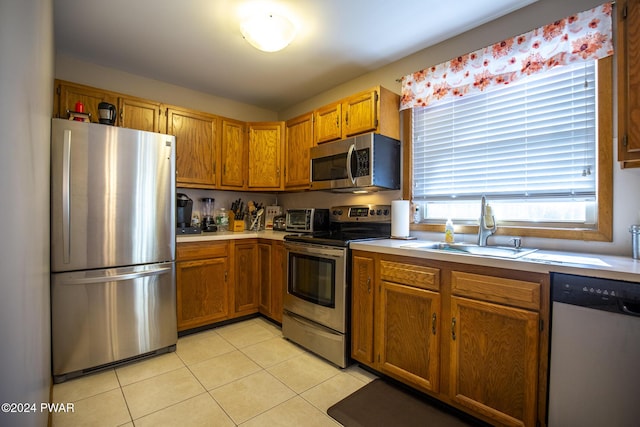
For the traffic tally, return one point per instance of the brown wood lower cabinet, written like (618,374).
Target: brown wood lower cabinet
(474,337)
(362,318)
(272,273)
(245,261)
(202,283)
(406,327)
(224,279)
(407,334)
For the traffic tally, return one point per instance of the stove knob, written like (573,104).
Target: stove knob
(372,212)
(379,212)
(337,212)
(386,212)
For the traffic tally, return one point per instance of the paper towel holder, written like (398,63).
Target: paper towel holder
(400,227)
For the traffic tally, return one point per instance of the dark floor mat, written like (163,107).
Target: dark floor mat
(383,404)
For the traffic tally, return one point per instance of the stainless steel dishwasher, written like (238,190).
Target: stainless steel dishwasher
(594,372)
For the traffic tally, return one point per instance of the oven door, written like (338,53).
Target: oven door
(317,283)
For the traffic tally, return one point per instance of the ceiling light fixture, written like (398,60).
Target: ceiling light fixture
(268,32)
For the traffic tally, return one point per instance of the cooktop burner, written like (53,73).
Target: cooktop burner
(349,224)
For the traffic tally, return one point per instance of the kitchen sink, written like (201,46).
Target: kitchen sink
(470,248)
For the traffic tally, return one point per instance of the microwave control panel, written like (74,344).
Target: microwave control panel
(362,163)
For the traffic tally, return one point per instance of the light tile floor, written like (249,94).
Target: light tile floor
(243,374)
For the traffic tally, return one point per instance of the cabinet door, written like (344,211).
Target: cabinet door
(494,360)
(360,114)
(407,334)
(628,83)
(68,94)
(299,140)
(278,279)
(266,274)
(233,154)
(196,148)
(202,294)
(362,309)
(135,113)
(245,257)
(328,123)
(265,156)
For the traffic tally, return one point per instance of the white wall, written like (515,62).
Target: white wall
(26,84)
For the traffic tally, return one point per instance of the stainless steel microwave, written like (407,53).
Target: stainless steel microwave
(368,162)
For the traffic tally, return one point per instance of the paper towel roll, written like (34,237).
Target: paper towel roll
(400,218)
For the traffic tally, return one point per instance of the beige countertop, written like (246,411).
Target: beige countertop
(541,261)
(230,235)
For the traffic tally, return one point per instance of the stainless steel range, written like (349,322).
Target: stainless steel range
(318,298)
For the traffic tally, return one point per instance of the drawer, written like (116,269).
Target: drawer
(409,274)
(201,250)
(517,293)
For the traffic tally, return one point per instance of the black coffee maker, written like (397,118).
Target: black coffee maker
(106,113)
(184,207)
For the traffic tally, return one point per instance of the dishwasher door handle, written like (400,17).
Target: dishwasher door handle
(629,307)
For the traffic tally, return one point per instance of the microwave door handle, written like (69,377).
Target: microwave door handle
(349,156)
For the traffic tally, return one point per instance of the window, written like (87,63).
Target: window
(540,150)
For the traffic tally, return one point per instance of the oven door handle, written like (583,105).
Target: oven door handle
(316,250)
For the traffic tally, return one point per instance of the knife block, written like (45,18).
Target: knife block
(235,224)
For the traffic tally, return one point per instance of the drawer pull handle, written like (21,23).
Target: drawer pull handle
(369,284)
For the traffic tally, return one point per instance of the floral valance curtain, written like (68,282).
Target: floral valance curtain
(580,37)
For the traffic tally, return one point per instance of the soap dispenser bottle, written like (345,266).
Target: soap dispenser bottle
(448,232)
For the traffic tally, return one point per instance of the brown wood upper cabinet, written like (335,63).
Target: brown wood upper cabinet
(373,110)
(132,112)
(628,57)
(328,123)
(67,94)
(141,114)
(266,142)
(298,142)
(196,147)
(233,154)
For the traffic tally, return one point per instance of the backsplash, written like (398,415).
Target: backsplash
(307,199)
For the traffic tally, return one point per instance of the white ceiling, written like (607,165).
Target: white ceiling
(197,43)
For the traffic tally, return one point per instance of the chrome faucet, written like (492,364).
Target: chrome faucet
(484,231)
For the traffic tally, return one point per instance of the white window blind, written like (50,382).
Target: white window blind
(534,140)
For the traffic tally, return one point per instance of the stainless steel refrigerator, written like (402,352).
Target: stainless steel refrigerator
(113,225)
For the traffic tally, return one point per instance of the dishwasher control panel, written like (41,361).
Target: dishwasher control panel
(596,293)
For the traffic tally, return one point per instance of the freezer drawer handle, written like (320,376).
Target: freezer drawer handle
(119,277)
(66,190)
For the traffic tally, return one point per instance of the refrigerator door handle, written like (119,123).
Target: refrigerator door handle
(66,199)
(120,276)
